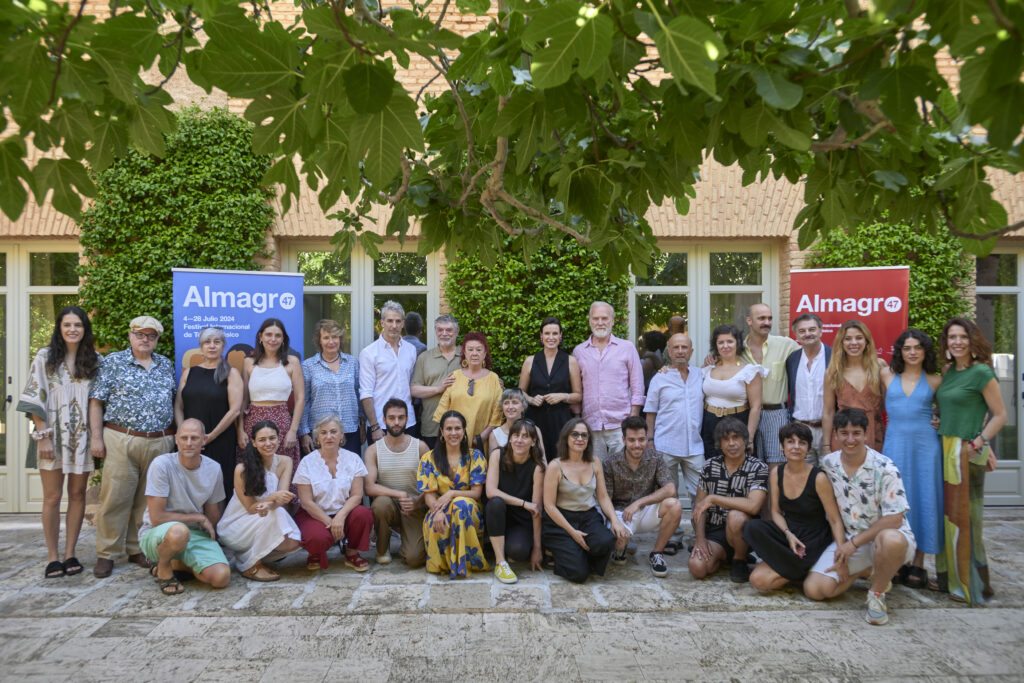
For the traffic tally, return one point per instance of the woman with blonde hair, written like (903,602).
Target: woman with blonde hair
(854,379)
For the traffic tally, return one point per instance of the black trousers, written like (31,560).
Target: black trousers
(510,522)
(571,560)
(707,430)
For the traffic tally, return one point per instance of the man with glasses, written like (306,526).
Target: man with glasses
(433,374)
(131,411)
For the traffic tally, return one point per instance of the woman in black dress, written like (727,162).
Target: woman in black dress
(551,382)
(805,516)
(211,392)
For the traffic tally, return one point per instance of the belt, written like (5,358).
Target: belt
(132,432)
(722,412)
(809,423)
(772,406)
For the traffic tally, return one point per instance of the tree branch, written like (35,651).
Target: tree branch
(59,52)
(1002,19)
(980,236)
(440,19)
(180,40)
(336,7)
(404,187)
(426,85)
(841,142)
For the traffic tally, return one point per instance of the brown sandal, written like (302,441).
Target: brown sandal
(258,572)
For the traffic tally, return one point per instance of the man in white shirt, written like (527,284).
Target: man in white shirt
(805,369)
(675,408)
(385,371)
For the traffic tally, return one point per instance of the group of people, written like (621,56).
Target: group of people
(579,458)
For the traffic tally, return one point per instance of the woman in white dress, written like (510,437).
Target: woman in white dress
(255,524)
(731,387)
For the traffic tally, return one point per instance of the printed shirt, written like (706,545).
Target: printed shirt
(625,484)
(431,369)
(679,408)
(384,374)
(774,352)
(136,398)
(330,493)
(472,471)
(331,392)
(809,392)
(874,491)
(613,382)
(715,480)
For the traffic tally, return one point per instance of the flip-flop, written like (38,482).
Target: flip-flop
(72,566)
(54,570)
(672,547)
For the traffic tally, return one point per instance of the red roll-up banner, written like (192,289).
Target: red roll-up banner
(876,296)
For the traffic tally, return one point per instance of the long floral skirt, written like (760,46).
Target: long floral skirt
(963,487)
(461,548)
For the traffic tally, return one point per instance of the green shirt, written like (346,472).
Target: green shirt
(774,352)
(962,407)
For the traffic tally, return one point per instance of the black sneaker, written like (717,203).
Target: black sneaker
(619,556)
(740,572)
(658,566)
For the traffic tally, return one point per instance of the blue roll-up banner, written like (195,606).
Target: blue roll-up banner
(237,301)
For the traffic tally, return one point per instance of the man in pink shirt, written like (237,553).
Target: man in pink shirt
(613,380)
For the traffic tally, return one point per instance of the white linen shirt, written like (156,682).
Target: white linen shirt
(383,374)
(679,408)
(810,388)
(330,493)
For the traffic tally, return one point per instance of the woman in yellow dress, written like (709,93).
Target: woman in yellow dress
(452,478)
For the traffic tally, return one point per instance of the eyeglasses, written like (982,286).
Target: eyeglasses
(142,335)
(470,391)
(582,436)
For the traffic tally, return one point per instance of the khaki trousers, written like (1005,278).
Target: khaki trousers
(386,516)
(123,490)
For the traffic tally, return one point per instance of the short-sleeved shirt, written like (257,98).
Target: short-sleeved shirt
(482,409)
(962,406)
(774,352)
(613,382)
(187,491)
(471,471)
(329,392)
(874,491)
(626,485)
(679,409)
(330,493)
(715,480)
(385,374)
(431,369)
(134,397)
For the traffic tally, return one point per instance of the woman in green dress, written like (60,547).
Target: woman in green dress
(969,392)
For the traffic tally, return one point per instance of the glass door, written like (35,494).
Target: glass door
(9,395)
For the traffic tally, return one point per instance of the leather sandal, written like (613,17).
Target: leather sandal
(258,572)
(917,577)
(171,586)
(54,570)
(72,566)
(356,562)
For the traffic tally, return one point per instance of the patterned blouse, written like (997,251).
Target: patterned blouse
(136,398)
(874,491)
(468,475)
(331,392)
(715,480)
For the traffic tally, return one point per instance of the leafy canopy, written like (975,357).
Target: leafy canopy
(560,117)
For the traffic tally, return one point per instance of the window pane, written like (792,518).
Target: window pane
(654,310)
(317,307)
(667,270)
(43,310)
(997,269)
(325,268)
(395,269)
(732,308)
(3,371)
(3,270)
(735,268)
(997,318)
(53,269)
(409,302)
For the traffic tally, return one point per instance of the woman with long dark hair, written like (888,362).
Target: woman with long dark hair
(971,413)
(913,444)
(56,399)
(452,477)
(255,523)
(515,484)
(211,392)
(269,378)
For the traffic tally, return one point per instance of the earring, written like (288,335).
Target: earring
(974,356)
(949,355)
(465,363)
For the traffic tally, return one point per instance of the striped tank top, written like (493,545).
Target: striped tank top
(398,470)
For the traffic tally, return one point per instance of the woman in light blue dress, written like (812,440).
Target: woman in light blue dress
(914,445)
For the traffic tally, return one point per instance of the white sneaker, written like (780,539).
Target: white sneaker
(877,613)
(384,559)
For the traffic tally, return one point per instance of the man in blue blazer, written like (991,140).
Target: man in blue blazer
(805,370)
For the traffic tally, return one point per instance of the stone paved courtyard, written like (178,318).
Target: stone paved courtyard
(395,624)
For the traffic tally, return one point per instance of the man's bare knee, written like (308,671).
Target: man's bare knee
(216,575)
(177,537)
(819,587)
(736,519)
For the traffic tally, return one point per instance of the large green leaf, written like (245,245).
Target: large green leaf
(577,36)
(775,89)
(110,140)
(689,49)
(283,172)
(64,177)
(324,72)
(12,171)
(368,86)
(147,125)
(756,122)
(278,119)
(133,38)
(381,138)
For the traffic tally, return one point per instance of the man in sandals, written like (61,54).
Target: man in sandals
(180,522)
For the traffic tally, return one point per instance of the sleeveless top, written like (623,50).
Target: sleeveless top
(806,510)
(269,384)
(572,496)
(518,482)
(500,436)
(870,403)
(732,392)
(398,470)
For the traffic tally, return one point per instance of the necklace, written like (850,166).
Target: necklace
(331,360)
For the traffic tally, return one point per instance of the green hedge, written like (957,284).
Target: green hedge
(940,271)
(508,300)
(201,206)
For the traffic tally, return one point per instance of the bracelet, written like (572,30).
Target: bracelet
(40,435)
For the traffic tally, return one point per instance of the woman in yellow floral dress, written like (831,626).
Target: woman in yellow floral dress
(451,477)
